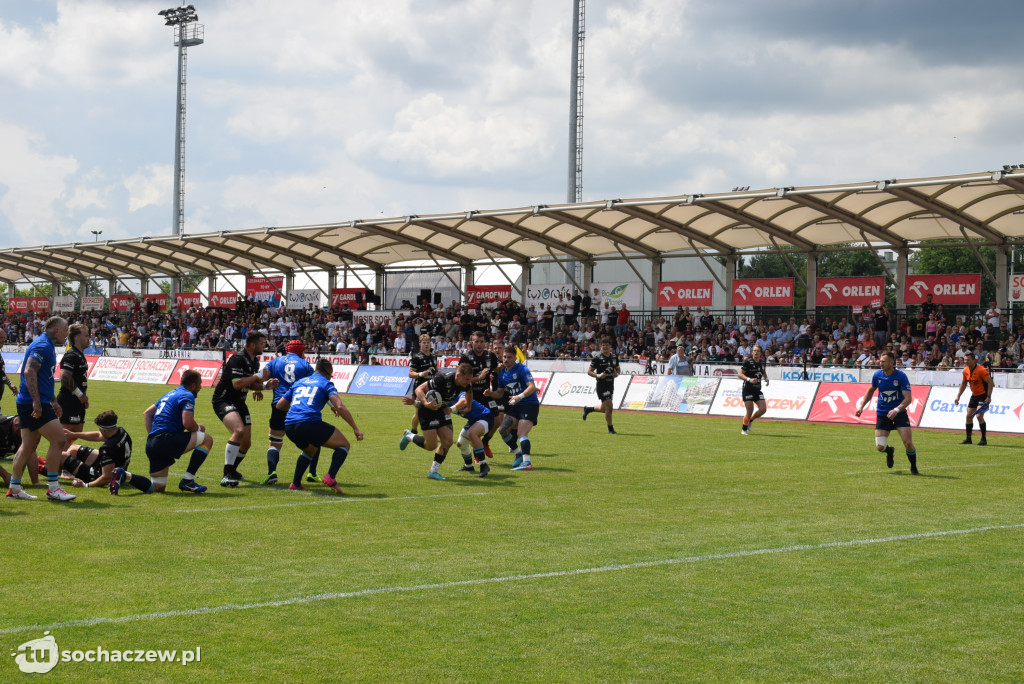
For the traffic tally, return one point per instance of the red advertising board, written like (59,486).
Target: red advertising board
(850,291)
(346,297)
(20,304)
(762,292)
(161,299)
(184,300)
(961,288)
(265,290)
(483,293)
(223,300)
(122,302)
(836,402)
(208,369)
(685,293)
(39,304)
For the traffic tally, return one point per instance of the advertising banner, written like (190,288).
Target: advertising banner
(850,291)
(65,304)
(12,362)
(374,319)
(224,300)
(342,376)
(210,370)
(815,374)
(543,295)
(571,366)
(122,302)
(482,293)
(19,304)
(961,288)
(406,285)
(186,300)
(1017,288)
(40,304)
(541,380)
(345,297)
(837,403)
(616,294)
(163,302)
(785,399)
(578,390)
(389,381)
(303,299)
(265,290)
(153,371)
(685,293)
(762,292)
(673,394)
(108,368)
(714,370)
(1004,413)
(93,303)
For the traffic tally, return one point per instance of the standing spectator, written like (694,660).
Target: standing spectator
(992,316)
(623,321)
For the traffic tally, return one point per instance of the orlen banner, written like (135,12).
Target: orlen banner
(850,291)
(112,368)
(762,292)
(685,293)
(303,299)
(389,381)
(153,371)
(345,297)
(64,304)
(162,300)
(122,302)
(39,304)
(1003,415)
(19,304)
(482,293)
(616,294)
(836,402)
(578,390)
(208,369)
(963,288)
(785,399)
(185,300)
(265,290)
(223,300)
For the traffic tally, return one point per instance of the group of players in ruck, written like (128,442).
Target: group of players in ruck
(490,388)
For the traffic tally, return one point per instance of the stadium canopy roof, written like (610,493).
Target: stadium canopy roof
(896,214)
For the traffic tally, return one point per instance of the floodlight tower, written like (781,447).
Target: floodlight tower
(575,191)
(186,34)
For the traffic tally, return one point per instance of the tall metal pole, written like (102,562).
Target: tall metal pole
(575,177)
(178,219)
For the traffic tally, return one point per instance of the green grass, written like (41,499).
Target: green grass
(940,608)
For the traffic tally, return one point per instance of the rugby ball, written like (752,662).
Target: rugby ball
(434,397)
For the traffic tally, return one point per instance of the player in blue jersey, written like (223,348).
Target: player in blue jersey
(479,422)
(288,369)
(516,381)
(303,403)
(894,396)
(173,430)
(39,414)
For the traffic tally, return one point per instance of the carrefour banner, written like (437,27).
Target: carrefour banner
(784,398)
(673,393)
(1004,413)
(303,299)
(388,381)
(265,290)
(838,403)
(616,294)
(579,390)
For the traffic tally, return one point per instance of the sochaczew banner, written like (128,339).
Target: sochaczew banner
(93,303)
(224,300)
(579,390)
(836,402)
(153,371)
(685,293)
(111,368)
(185,300)
(1017,288)
(1004,414)
(482,293)
(762,292)
(860,291)
(784,398)
(962,288)
(265,290)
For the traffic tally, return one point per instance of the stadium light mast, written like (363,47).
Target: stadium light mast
(187,33)
(574,192)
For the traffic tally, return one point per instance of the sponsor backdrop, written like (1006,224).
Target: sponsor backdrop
(122,302)
(155,371)
(482,293)
(374,318)
(63,304)
(762,292)
(92,303)
(1017,288)
(577,389)
(673,393)
(685,293)
(161,299)
(1004,414)
(342,376)
(850,291)
(265,290)
(616,294)
(784,398)
(303,299)
(837,403)
(389,381)
(543,295)
(345,297)
(224,300)
(964,288)
(108,368)
(210,370)
(184,300)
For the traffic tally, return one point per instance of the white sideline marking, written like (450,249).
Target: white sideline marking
(331,596)
(326,500)
(930,468)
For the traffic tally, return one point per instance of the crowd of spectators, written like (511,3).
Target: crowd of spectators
(572,328)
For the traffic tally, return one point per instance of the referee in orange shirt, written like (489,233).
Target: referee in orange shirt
(981,395)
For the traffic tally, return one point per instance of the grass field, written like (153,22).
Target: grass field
(677,550)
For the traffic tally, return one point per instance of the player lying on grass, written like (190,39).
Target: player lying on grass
(95,467)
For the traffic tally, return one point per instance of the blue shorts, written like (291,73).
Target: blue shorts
(488,420)
(315,432)
(277,418)
(524,412)
(33,424)
(882,422)
(164,448)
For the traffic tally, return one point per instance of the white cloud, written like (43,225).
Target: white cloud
(151,185)
(34,183)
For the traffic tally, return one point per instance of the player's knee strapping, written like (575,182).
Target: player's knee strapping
(77,468)
(882,441)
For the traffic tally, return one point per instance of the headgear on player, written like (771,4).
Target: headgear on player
(295,347)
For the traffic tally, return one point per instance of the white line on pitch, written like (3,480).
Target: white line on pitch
(332,596)
(335,499)
(930,468)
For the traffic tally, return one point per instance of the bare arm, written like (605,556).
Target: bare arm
(866,399)
(147,415)
(188,419)
(94,436)
(530,389)
(31,378)
(341,410)
(963,385)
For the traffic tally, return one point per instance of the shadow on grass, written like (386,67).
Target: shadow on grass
(937,477)
(87,503)
(492,480)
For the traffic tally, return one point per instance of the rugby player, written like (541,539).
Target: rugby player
(980,380)
(479,421)
(74,382)
(287,370)
(605,368)
(422,366)
(495,398)
(520,392)
(435,418)
(95,467)
(752,372)
(894,396)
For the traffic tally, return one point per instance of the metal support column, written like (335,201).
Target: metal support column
(731,263)
(812,283)
(902,261)
(1001,278)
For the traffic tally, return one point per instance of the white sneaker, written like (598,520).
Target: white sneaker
(20,494)
(744,431)
(59,495)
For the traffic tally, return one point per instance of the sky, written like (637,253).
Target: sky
(307,111)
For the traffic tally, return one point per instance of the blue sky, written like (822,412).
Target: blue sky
(311,112)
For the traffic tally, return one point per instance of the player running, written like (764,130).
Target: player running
(95,467)
(435,415)
(38,414)
(287,370)
(422,366)
(303,405)
(485,367)
(74,381)
(495,399)
(980,380)
(752,372)
(604,368)
(241,373)
(894,396)
(520,392)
